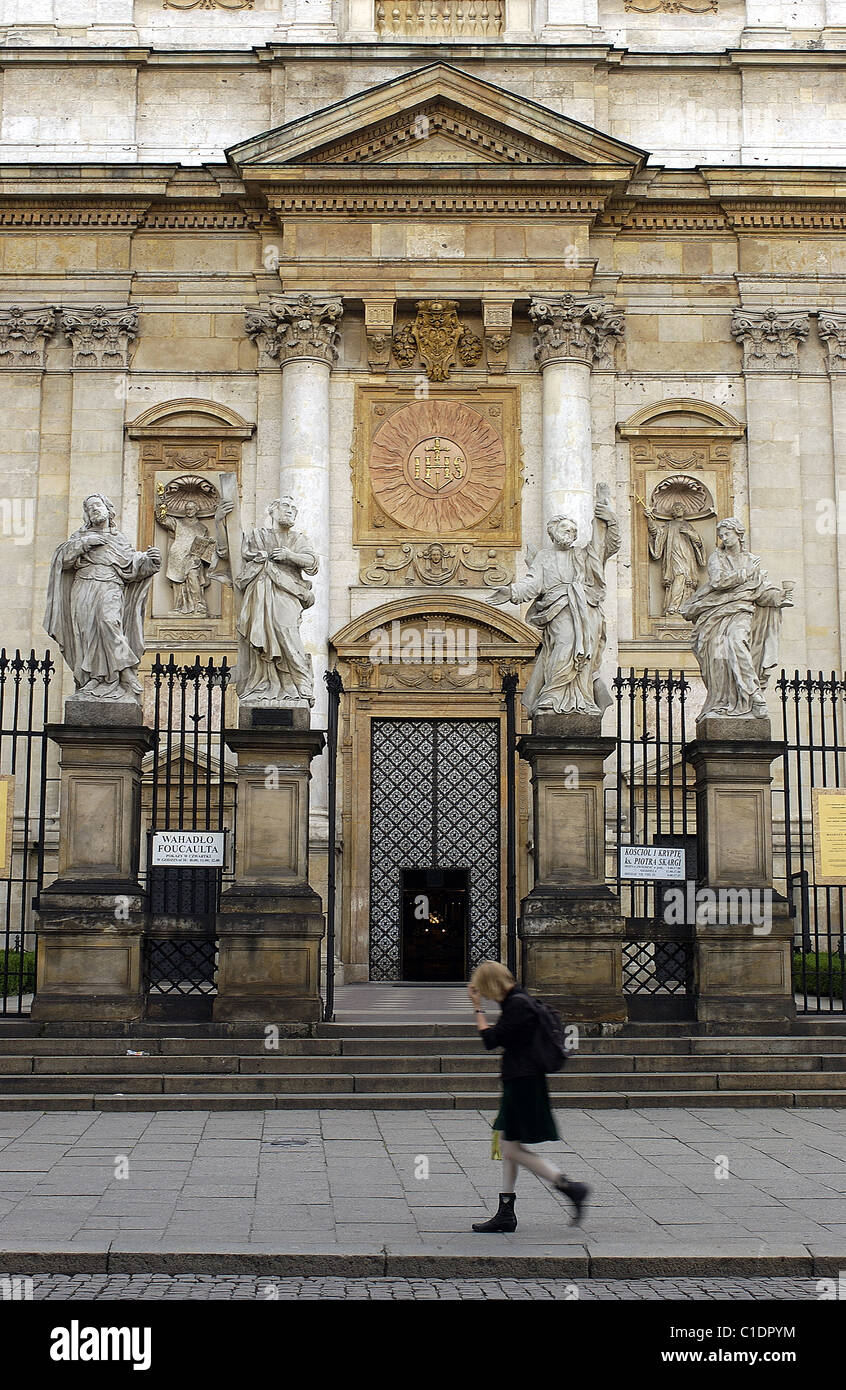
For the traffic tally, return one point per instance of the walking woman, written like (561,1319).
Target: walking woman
(524,1115)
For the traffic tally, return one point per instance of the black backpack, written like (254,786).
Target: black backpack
(549,1044)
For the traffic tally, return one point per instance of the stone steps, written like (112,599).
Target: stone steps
(419,1066)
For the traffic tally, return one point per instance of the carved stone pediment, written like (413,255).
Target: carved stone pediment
(434,115)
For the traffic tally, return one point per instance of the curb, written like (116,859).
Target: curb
(400,1263)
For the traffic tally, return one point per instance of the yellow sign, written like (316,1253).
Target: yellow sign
(829,804)
(7,802)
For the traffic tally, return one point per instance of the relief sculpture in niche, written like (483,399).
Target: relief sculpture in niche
(182,503)
(674,542)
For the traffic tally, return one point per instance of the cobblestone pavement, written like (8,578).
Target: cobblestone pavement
(132,1287)
(705,1184)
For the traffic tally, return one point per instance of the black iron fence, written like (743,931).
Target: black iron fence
(186,790)
(651,806)
(808,826)
(24,696)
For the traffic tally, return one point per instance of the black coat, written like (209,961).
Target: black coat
(514,1032)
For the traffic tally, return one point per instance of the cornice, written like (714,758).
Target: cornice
(391,52)
(670,216)
(120,214)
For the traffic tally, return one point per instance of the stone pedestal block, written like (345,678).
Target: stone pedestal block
(271,922)
(743,928)
(570,924)
(91,918)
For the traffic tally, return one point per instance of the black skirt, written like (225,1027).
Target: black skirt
(524,1113)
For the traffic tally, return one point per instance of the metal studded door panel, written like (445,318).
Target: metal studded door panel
(435,799)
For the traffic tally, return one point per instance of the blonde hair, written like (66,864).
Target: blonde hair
(493,980)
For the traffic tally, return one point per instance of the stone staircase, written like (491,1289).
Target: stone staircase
(390,1066)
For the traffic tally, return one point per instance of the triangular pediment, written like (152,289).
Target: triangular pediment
(433,116)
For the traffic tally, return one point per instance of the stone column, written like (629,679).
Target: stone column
(24,334)
(301,332)
(743,942)
(832,329)
(270,923)
(91,918)
(570,924)
(571,335)
(771,340)
(102,340)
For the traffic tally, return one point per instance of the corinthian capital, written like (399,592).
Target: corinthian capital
(832,328)
(771,338)
(575,330)
(24,334)
(100,337)
(297,326)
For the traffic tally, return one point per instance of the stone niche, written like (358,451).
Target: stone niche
(680,467)
(436,484)
(184,446)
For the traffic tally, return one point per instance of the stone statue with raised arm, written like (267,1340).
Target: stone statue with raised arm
(273,665)
(566,584)
(96,593)
(736,616)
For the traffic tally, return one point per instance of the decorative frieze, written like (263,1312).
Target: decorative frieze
(496,316)
(297,326)
(207,4)
(671,6)
(100,337)
(24,334)
(437,565)
(439,336)
(771,338)
(570,329)
(832,330)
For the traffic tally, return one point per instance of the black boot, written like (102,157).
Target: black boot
(578,1192)
(505,1219)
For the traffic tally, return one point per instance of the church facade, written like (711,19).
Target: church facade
(434,271)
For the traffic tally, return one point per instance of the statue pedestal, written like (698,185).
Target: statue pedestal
(270,923)
(570,924)
(743,958)
(91,918)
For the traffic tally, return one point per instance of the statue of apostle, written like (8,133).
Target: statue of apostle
(567,585)
(96,594)
(736,617)
(273,666)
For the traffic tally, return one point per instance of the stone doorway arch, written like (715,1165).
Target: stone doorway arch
(438,659)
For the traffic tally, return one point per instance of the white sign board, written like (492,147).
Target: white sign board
(189,849)
(652,862)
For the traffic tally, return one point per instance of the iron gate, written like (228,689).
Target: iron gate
(813,719)
(653,803)
(435,803)
(185,790)
(24,696)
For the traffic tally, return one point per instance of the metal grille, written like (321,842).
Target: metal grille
(24,695)
(181,965)
(186,792)
(653,803)
(813,719)
(435,798)
(657,967)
